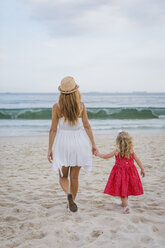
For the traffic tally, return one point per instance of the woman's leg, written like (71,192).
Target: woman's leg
(74,173)
(64,182)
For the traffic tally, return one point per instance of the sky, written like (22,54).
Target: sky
(106,45)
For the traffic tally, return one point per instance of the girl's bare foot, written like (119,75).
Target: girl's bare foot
(127,210)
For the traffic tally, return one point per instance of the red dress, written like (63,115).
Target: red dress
(124,179)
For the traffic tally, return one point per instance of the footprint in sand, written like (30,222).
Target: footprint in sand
(74,237)
(154,228)
(146,239)
(135,219)
(96,233)
(11,218)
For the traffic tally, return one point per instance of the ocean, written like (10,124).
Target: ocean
(24,114)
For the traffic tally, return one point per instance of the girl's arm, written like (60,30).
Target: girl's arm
(88,129)
(109,155)
(52,132)
(139,164)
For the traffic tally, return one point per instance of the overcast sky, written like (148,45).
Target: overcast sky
(106,45)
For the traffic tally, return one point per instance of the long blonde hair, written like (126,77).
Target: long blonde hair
(70,106)
(124,144)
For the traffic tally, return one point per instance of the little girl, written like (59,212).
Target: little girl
(124,179)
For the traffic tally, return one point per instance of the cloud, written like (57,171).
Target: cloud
(63,17)
(70,17)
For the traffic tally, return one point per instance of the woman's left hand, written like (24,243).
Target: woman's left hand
(50,156)
(94,150)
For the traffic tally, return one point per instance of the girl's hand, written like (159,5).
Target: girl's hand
(142,173)
(50,156)
(99,155)
(94,149)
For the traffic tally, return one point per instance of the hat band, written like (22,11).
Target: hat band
(70,91)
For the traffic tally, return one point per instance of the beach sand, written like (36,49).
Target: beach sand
(33,209)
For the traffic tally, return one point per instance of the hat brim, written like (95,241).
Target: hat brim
(67,92)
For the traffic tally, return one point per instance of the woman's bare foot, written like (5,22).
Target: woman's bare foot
(71,203)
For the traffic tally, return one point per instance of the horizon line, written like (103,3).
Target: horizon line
(89,92)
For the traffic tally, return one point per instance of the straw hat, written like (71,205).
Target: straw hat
(68,85)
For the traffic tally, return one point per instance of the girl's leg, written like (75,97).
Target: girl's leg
(125,204)
(124,201)
(74,174)
(64,182)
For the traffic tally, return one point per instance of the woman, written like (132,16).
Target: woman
(72,145)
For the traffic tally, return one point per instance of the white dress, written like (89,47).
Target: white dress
(72,146)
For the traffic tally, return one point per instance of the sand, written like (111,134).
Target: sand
(33,209)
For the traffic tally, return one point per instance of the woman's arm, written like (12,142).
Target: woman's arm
(52,132)
(88,129)
(139,164)
(106,156)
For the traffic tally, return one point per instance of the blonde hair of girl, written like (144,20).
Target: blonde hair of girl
(70,107)
(124,144)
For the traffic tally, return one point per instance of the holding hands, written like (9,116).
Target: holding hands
(94,149)
(98,154)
